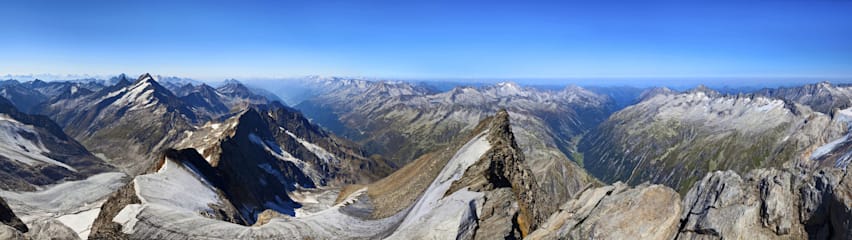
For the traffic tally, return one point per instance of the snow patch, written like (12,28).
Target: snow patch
(21,142)
(176,187)
(845,115)
(471,152)
(127,217)
(317,150)
(81,222)
(828,147)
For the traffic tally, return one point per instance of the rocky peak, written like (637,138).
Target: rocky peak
(701,88)
(503,166)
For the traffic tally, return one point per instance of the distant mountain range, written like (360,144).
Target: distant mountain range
(159,157)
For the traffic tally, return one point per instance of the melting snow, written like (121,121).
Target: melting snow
(14,145)
(845,115)
(139,95)
(828,147)
(81,222)
(276,151)
(176,187)
(317,150)
(464,158)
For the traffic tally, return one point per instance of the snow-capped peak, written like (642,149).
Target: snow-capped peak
(139,95)
(509,88)
(146,77)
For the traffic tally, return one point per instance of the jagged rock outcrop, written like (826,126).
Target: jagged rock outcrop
(504,167)
(768,204)
(8,219)
(760,206)
(50,229)
(764,204)
(616,212)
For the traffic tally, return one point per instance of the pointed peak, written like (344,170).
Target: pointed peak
(145,77)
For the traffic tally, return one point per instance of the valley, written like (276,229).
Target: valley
(167,158)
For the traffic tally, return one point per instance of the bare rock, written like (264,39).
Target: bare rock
(50,230)
(7,232)
(8,218)
(616,212)
(499,212)
(724,205)
(841,208)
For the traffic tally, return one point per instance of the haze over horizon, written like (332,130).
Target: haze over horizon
(542,43)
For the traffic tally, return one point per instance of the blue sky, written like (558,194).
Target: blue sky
(430,39)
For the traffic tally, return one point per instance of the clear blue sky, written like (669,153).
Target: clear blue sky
(391,39)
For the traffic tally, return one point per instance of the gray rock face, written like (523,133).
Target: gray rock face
(826,202)
(765,204)
(7,232)
(616,212)
(725,205)
(768,204)
(8,218)
(51,230)
(503,168)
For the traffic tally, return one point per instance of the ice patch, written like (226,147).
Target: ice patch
(21,142)
(176,187)
(828,147)
(127,217)
(464,158)
(275,150)
(81,222)
(317,150)
(140,96)
(845,115)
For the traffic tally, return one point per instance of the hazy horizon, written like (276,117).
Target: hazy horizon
(638,82)
(435,40)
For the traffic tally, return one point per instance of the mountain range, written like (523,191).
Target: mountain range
(173,158)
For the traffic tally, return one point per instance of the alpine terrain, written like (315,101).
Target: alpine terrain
(174,158)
